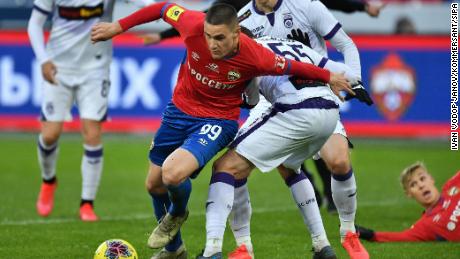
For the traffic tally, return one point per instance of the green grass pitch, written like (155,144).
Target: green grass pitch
(126,212)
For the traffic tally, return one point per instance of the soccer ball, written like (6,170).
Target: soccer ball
(115,249)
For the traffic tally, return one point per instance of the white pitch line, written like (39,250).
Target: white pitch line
(37,221)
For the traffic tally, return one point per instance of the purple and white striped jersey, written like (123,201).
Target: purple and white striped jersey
(311,17)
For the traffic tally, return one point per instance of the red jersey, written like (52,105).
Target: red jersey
(442,222)
(212,88)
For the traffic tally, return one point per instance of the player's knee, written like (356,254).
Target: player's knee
(172,175)
(339,165)
(50,137)
(153,186)
(222,165)
(92,138)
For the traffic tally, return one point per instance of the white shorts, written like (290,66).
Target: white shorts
(287,134)
(89,91)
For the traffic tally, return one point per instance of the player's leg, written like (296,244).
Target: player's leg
(91,167)
(226,170)
(304,197)
(325,175)
(335,153)
(205,137)
(47,156)
(56,104)
(167,138)
(92,100)
(177,168)
(310,177)
(240,219)
(160,200)
(343,184)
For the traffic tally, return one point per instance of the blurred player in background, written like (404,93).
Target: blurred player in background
(440,220)
(74,71)
(311,23)
(201,119)
(306,113)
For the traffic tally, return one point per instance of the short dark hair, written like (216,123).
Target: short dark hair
(222,14)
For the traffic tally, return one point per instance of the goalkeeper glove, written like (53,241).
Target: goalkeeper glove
(361,94)
(299,36)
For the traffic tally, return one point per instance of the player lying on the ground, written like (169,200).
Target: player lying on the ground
(201,120)
(305,112)
(440,220)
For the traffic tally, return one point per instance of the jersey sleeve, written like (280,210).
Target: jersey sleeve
(268,63)
(44,6)
(181,19)
(322,21)
(184,21)
(418,232)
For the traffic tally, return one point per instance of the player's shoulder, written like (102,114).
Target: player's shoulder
(246,12)
(452,186)
(265,40)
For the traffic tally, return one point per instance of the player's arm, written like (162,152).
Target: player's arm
(251,94)
(453,181)
(418,232)
(271,64)
(330,29)
(171,13)
(356,83)
(37,40)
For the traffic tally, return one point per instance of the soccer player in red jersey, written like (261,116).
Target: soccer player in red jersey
(201,119)
(441,218)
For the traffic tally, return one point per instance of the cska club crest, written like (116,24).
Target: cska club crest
(393,86)
(233,75)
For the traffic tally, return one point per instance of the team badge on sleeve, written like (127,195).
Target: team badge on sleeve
(174,13)
(280,62)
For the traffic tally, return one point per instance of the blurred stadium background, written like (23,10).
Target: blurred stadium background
(405,57)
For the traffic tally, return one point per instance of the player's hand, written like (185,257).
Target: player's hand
(299,36)
(151,38)
(365,233)
(49,72)
(373,8)
(338,83)
(244,102)
(105,31)
(361,94)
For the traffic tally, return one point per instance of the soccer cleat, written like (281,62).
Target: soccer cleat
(214,256)
(180,253)
(354,247)
(87,212)
(45,200)
(241,252)
(326,253)
(166,230)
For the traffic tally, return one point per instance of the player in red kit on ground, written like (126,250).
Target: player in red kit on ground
(201,120)
(441,218)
